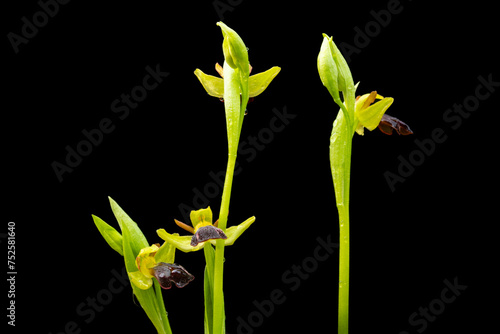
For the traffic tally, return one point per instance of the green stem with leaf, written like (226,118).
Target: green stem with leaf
(236,71)
(340,163)
(336,77)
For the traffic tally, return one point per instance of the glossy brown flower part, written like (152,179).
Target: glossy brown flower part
(388,124)
(168,273)
(206,233)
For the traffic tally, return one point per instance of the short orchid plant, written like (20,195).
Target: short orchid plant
(152,266)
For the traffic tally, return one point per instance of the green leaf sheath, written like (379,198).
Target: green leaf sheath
(234,114)
(234,119)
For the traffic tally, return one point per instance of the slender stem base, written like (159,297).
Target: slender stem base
(219,316)
(343,320)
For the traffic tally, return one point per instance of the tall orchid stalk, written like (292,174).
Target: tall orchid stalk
(354,116)
(236,74)
(235,88)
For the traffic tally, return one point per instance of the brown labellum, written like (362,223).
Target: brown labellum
(388,124)
(168,273)
(206,233)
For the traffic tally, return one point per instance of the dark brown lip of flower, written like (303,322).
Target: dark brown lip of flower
(206,233)
(168,273)
(388,124)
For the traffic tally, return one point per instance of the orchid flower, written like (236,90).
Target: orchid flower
(203,230)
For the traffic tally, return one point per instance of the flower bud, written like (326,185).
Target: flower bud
(235,51)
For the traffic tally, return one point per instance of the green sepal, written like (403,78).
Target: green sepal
(257,83)
(213,85)
(181,242)
(234,232)
(110,234)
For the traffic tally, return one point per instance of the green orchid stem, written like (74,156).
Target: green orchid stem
(343,320)
(340,159)
(162,312)
(219,316)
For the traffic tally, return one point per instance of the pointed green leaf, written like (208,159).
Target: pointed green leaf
(235,51)
(110,234)
(137,238)
(147,298)
(258,83)
(133,241)
(236,58)
(327,69)
(213,85)
(342,76)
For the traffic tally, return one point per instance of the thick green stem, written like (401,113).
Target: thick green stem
(219,316)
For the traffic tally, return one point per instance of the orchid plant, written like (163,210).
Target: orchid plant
(354,116)
(152,267)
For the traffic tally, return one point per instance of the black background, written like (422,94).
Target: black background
(436,225)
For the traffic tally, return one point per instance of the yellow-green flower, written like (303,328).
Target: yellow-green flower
(370,116)
(203,230)
(157,262)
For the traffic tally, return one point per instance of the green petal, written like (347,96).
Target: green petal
(371,116)
(258,83)
(166,253)
(201,216)
(110,234)
(140,281)
(234,232)
(213,85)
(180,242)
